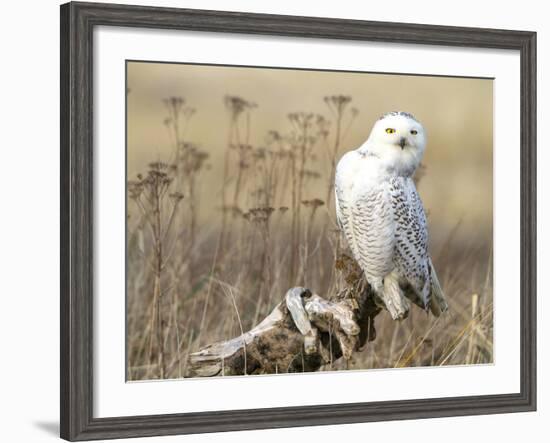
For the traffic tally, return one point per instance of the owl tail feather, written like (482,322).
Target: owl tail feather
(438,303)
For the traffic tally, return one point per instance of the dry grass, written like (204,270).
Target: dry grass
(191,283)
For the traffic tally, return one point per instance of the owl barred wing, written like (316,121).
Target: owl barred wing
(411,248)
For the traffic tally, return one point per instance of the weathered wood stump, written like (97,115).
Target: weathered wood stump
(301,334)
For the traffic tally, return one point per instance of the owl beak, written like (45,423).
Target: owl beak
(402,142)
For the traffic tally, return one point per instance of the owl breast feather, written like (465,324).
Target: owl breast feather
(384,224)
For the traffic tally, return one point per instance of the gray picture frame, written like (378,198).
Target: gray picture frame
(78,21)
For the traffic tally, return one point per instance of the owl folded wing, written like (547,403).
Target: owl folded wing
(411,246)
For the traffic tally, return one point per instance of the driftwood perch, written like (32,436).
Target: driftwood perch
(305,331)
(301,334)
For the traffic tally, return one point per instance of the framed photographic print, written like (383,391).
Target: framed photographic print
(273,221)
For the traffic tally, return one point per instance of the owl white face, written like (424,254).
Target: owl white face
(399,139)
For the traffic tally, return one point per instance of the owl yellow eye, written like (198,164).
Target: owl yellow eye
(414,132)
(390,130)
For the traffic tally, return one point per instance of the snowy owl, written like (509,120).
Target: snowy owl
(381,215)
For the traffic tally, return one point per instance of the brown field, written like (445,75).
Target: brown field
(230,203)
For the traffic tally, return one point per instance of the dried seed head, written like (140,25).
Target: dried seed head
(307,173)
(158,166)
(260,214)
(260,153)
(176,197)
(174,106)
(135,188)
(314,203)
(337,103)
(237,105)
(274,136)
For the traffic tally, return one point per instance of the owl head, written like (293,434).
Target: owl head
(399,139)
